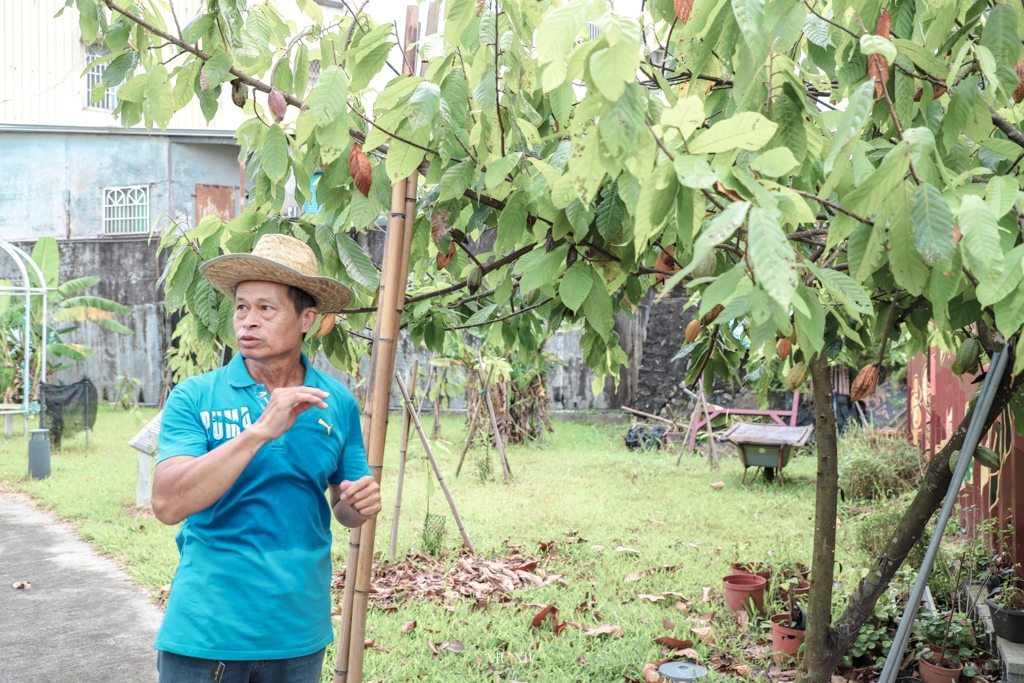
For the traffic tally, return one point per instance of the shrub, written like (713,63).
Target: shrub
(877,466)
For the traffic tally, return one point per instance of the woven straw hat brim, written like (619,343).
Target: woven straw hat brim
(225,272)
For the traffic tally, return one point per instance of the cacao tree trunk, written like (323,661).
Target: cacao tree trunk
(818,644)
(823,652)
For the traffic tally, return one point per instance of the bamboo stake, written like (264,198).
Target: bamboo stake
(390,301)
(403,449)
(473,422)
(437,405)
(498,442)
(433,463)
(711,430)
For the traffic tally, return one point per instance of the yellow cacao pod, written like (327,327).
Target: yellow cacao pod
(796,377)
(864,384)
(783,348)
(710,316)
(326,325)
(692,331)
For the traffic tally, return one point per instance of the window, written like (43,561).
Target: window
(95,76)
(125,210)
(314,73)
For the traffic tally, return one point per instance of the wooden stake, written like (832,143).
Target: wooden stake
(403,449)
(390,302)
(473,422)
(433,463)
(711,430)
(498,441)
(437,405)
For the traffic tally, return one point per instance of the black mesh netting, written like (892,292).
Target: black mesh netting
(65,408)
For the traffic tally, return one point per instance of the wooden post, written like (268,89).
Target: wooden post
(498,441)
(348,666)
(711,430)
(433,463)
(473,422)
(437,405)
(406,423)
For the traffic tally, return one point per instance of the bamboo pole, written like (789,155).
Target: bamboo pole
(498,441)
(473,422)
(348,666)
(403,449)
(437,405)
(433,463)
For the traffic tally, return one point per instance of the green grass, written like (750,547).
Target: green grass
(581,478)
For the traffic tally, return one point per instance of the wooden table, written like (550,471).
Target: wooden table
(765,445)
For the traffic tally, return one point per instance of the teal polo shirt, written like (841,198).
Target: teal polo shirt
(254,577)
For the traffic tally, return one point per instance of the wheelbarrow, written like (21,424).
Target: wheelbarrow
(766,445)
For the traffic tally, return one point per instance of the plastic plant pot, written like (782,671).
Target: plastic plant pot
(786,641)
(741,589)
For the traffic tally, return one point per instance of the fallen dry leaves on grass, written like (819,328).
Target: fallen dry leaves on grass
(21,585)
(636,576)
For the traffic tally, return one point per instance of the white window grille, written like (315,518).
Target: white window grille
(314,73)
(95,76)
(125,210)
(593,31)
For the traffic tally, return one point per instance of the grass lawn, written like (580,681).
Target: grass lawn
(581,477)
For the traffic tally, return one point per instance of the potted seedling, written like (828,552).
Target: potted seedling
(946,646)
(1006,605)
(788,627)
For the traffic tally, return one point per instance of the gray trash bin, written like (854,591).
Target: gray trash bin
(39,453)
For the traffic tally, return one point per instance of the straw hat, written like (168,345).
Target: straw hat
(278,258)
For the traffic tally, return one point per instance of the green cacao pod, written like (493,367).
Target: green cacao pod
(796,377)
(476,276)
(967,357)
(987,457)
(239,93)
(706,268)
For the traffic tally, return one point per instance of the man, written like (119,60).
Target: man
(247,453)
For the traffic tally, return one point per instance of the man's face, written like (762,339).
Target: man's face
(266,324)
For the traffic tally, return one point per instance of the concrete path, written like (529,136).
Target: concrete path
(81,621)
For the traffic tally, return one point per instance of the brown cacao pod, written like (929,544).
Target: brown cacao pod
(796,377)
(359,168)
(239,93)
(683,9)
(692,331)
(783,348)
(864,384)
(278,106)
(442,260)
(710,316)
(326,325)
(1018,93)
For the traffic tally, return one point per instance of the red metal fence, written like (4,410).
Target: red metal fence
(937,400)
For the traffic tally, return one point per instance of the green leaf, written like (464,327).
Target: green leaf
(159,102)
(871,44)
(686,116)
(810,321)
(933,224)
(357,264)
(456,179)
(327,99)
(46,255)
(1001,194)
(575,285)
(184,84)
(773,259)
(134,90)
(746,130)
(616,65)
(539,268)
(424,103)
(908,268)
(512,221)
(844,289)
(856,113)
(1000,35)
(217,68)
(921,56)
(598,307)
(982,251)
(275,153)
(694,172)
(72,286)
(558,31)
(774,163)
(499,168)
(458,14)
(721,228)
(402,159)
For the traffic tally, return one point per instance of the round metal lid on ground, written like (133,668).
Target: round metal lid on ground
(682,671)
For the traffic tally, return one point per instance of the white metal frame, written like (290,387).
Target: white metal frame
(22,260)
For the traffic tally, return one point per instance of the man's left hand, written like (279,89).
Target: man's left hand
(363,495)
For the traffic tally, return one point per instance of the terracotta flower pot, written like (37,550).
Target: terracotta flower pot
(786,641)
(804,571)
(933,673)
(755,568)
(803,587)
(740,589)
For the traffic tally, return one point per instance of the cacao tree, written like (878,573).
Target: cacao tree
(840,174)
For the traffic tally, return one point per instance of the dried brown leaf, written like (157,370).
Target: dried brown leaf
(652,598)
(452,646)
(705,634)
(668,625)
(21,585)
(674,643)
(613,630)
(624,549)
(408,626)
(718,485)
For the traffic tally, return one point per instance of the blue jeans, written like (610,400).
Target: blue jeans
(175,668)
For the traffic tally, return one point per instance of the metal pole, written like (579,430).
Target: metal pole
(974,433)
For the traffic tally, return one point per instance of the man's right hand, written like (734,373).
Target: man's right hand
(286,404)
